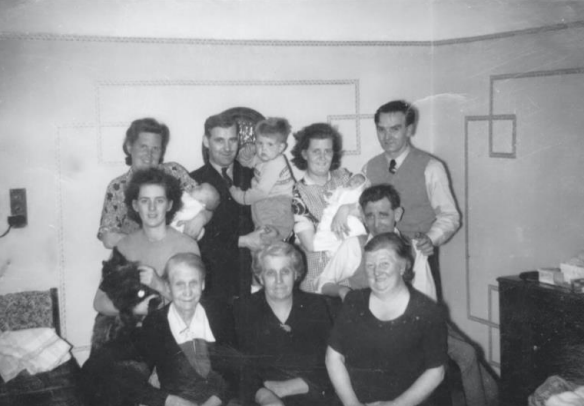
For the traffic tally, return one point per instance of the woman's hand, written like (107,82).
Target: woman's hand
(141,309)
(150,278)
(172,400)
(339,224)
(265,397)
(295,386)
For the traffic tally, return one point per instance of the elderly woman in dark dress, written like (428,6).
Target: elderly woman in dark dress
(283,332)
(388,346)
(318,152)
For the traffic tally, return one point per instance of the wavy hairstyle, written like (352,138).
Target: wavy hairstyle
(145,125)
(280,249)
(317,131)
(153,176)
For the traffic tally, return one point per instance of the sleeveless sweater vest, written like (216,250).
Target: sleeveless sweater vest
(410,183)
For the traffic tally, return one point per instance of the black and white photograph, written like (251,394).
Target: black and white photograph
(291,202)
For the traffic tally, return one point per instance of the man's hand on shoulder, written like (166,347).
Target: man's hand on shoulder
(424,244)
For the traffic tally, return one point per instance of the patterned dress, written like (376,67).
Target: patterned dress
(114,215)
(308,201)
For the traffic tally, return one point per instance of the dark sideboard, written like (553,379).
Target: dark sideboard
(540,325)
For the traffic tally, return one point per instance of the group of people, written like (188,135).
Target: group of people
(285,291)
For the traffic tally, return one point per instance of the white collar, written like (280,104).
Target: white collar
(401,158)
(197,328)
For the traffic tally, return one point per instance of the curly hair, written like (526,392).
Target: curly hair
(145,125)
(153,176)
(399,245)
(280,249)
(317,131)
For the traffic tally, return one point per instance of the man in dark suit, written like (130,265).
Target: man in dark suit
(229,235)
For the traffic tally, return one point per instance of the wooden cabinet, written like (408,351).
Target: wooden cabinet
(539,324)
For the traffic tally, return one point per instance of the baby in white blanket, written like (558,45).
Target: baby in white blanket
(203,196)
(325,239)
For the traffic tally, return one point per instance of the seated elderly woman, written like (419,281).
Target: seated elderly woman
(152,199)
(389,341)
(283,331)
(318,152)
(145,144)
(186,341)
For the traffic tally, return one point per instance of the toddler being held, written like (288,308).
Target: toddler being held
(270,195)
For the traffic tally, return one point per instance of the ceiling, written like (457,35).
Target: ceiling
(304,20)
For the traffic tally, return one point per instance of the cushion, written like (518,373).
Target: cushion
(24,310)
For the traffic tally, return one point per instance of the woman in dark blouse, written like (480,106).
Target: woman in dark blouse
(388,346)
(283,332)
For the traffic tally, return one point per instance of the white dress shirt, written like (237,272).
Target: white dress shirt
(197,328)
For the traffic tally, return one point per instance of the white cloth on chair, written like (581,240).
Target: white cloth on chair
(35,350)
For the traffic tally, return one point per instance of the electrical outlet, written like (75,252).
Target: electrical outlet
(18,202)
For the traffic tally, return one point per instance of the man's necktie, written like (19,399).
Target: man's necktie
(228,180)
(392,166)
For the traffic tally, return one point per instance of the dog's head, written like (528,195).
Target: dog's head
(121,283)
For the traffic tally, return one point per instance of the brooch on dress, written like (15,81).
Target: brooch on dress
(286,327)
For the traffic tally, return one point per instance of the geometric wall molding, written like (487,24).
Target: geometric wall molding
(118,102)
(502,134)
(60,216)
(493,326)
(494,136)
(503,137)
(284,43)
(350,124)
